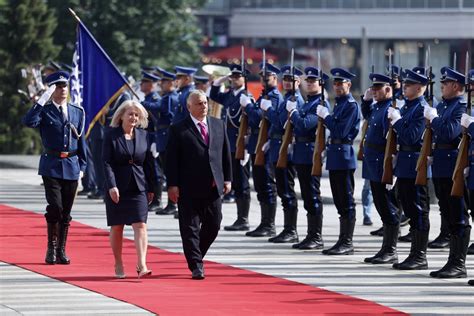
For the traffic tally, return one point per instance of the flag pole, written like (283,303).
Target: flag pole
(125,79)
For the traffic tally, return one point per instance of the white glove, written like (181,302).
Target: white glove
(266,146)
(220,80)
(430,113)
(244,161)
(393,115)
(430,160)
(153,150)
(466,172)
(466,120)
(368,96)
(290,106)
(46,95)
(322,111)
(245,100)
(265,104)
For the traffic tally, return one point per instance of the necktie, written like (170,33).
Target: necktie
(204,134)
(62,113)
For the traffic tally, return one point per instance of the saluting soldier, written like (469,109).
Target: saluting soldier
(285,177)
(263,176)
(185,84)
(466,122)
(305,122)
(148,85)
(240,173)
(409,124)
(61,127)
(446,125)
(375,103)
(343,125)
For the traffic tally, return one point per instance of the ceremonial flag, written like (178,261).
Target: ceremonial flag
(101,80)
(75,81)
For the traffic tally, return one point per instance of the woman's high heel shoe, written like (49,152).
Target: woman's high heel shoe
(119,273)
(144,273)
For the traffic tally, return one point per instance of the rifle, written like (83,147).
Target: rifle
(365,126)
(320,141)
(288,136)
(244,120)
(462,161)
(391,145)
(426,150)
(264,123)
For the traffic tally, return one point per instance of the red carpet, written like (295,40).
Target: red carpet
(225,291)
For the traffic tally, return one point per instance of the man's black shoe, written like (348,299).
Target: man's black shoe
(198,273)
(83,193)
(378,232)
(367,221)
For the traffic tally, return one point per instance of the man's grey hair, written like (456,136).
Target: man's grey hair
(195,93)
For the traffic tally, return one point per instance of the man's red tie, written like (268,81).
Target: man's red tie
(204,134)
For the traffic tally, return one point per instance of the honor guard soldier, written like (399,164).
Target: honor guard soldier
(61,127)
(372,167)
(305,122)
(185,84)
(263,176)
(343,125)
(285,177)
(240,173)
(466,122)
(447,132)
(152,103)
(409,124)
(202,83)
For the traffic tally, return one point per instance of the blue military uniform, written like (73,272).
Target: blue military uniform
(230,101)
(181,110)
(263,176)
(372,169)
(61,127)
(285,177)
(447,133)
(305,122)
(343,125)
(413,198)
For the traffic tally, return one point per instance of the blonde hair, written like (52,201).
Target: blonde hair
(142,114)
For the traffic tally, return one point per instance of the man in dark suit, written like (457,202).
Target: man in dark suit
(198,172)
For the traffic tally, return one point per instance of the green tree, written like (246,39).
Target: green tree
(25,39)
(134,33)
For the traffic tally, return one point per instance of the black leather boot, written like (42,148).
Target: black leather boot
(416,260)
(442,241)
(52,240)
(407,238)
(289,233)
(456,265)
(314,239)
(470,250)
(388,253)
(344,245)
(155,205)
(377,232)
(170,209)
(267,223)
(61,256)
(242,222)
(470,282)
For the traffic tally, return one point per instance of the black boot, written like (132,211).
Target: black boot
(170,209)
(442,241)
(407,238)
(470,282)
(52,240)
(377,232)
(289,233)
(456,265)
(344,245)
(470,250)
(416,260)
(61,256)
(388,253)
(314,239)
(155,205)
(267,223)
(242,222)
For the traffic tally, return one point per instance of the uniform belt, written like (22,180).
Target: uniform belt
(377,147)
(408,148)
(162,126)
(307,139)
(341,142)
(445,146)
(61,154)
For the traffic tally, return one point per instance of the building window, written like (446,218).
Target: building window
(366,4)
(333,4)
(469,3)
(400,4)
(318,4)
(383,3)
(453,3)
(417,4)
